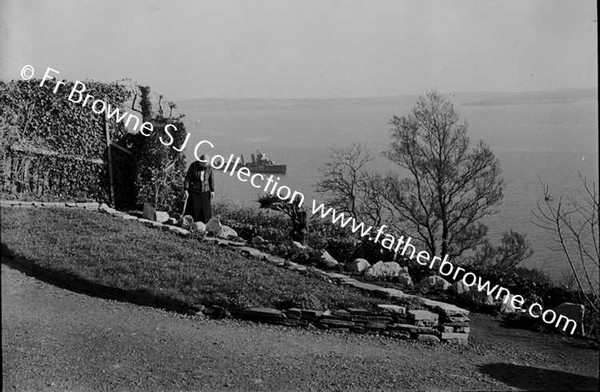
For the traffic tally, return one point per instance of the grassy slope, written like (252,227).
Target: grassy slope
(127,255)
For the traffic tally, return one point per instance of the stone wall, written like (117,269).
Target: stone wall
(391,320)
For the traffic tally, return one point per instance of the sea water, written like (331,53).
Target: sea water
(547,137)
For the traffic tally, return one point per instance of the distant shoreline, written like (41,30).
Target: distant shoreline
(563,95)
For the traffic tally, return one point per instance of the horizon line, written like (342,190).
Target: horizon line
(555,90)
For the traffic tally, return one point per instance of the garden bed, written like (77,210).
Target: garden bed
(126,255)
(94,252)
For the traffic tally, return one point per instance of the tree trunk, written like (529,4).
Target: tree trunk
(299,227)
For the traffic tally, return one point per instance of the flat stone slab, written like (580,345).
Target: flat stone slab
(311,314)
(266,313)
(275,259)
(412,328)
(392,308)
(294,313)
(459,338)
(339,314)
(444,308)
(358,311)
(336,323)
(335,275)
(252,252)
(363,286)
(391,292)
(91,205)
(9,203)
(297,267)
(457,324)
(376,325)
(179,230)
(423,315)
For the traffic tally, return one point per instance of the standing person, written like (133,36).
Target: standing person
(199,190)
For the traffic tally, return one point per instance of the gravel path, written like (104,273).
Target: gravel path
(54,339)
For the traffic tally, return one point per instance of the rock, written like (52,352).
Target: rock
(179,230)
(187,222)
(405,279)
(327,260)
(149,212)
(459,288)
(226,232)
(298,252)
(359,266)
(214,226)
(360,311)
(198,227)
(172,221)
(294,313)
(257,313)
(457,338)
(298,246)
(573,311)
(412,329)
(428,338)
(457,324)
(423,318)
(507,308)
(300,257)
(481,297)
(381,270)
(161,216)
(104,207)
(392,308)
(449,311)
(434,283)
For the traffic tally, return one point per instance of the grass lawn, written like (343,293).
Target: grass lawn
(126,255)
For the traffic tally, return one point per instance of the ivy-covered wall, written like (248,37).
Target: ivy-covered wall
(54,149)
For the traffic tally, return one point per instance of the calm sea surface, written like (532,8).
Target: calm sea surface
(551,137)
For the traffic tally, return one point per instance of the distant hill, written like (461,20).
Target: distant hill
(464,99)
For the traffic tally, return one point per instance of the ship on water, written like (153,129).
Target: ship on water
(259,163)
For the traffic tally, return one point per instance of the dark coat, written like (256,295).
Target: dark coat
(193,182)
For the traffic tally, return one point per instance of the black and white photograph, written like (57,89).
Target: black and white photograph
(277,195)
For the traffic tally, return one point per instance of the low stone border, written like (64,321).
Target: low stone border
(49,204)
(392,320)
(440,322)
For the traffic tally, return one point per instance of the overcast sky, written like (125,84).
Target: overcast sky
(321,48)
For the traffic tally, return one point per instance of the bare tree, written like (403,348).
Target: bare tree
(340,177)
(351,187)
(573,223)
(372,207)
(451,186)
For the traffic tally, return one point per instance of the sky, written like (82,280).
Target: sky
(306,49)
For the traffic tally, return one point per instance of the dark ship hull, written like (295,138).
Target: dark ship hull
(262,168)
(279,169)
(259,164)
